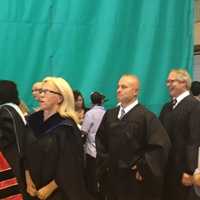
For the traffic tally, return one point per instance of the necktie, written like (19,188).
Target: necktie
(174,101)
(122,113)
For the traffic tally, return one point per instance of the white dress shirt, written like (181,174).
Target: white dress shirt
(181,97)
(90,125)
(127,108)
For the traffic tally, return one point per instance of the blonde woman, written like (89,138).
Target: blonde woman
(55,163)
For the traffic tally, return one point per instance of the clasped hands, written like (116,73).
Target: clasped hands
(137,175)
(189,180)
(44,192)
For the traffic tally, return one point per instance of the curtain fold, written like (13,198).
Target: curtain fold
(92,43)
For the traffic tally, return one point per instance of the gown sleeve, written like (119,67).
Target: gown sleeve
(7,136)
(69,173)
(153,162)
(101,141)
(193,140)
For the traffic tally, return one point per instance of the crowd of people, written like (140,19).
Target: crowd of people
(64,151)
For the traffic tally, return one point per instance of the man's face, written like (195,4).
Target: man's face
(36,92)
(127,90)
(175,86)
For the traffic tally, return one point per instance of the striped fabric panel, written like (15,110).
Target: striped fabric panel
(6,175)
(9,189)
(8,183)
(14,197)
(3,164)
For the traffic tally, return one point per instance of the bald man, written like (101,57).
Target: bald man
(132,147)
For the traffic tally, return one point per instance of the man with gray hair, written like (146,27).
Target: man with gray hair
(181,118)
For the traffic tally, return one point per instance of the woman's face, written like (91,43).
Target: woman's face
(79,103)
(50,97)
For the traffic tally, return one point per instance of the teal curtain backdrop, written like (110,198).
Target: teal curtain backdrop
(92,43)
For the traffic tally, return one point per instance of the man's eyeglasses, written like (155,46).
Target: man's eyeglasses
(174,80)
(171,81)
(45,91)
(36,90)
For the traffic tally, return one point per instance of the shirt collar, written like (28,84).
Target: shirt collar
(98,107)
(181,97)
(129,107)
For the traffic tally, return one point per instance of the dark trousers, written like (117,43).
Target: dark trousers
(91,180)
(121,184)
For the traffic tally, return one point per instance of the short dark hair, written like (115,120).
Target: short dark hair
(97,98)
(8,92)
(195,88)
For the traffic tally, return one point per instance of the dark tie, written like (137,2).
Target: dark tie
(122,113)
(174,101)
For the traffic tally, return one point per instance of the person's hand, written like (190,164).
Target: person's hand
(44,192)
(138,176)
(196,179)
(30,186)
(187,180)
(31,190)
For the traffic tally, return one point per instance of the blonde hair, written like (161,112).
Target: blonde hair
(66,108)
(37,84)
(24,108)
(183,75)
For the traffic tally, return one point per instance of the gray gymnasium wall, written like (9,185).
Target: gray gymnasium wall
(196,72)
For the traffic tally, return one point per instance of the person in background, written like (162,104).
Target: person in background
(54,169)
(132,147)
(36,93)
(195,89)
(36,90)
(180,117)
(79,106)
(195,179)
(89,127)
(13,133)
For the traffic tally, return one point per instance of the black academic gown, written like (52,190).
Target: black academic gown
(13,153)
(138,139)
(183,127)
(57,155)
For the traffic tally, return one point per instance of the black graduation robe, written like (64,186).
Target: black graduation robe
(8,144)
(137,139)
(183,127)
(57,155)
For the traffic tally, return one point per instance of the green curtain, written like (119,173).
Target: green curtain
(92,43)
